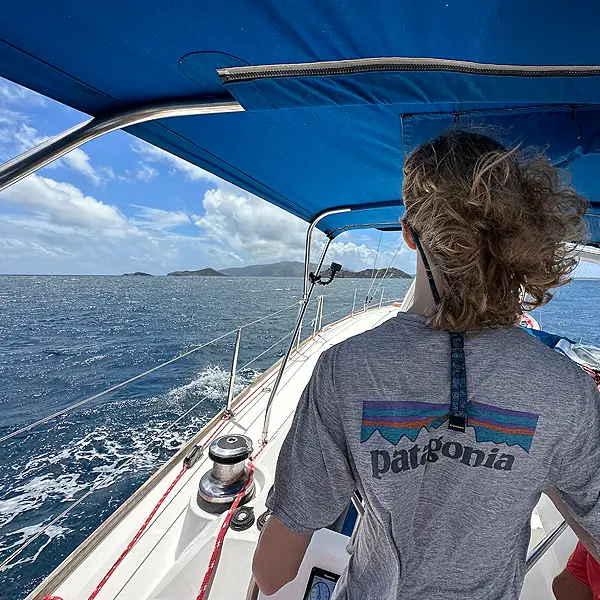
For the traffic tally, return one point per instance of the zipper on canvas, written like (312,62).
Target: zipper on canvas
(369,65)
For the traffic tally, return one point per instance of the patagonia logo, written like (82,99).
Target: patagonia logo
(396,420)
(498,425)
(400,461)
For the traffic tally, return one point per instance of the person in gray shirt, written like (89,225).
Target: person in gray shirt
(449,419)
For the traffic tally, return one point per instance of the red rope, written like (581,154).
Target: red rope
(137,536)
(224,527)
(216,553)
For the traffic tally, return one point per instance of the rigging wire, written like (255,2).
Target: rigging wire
(56,519)
(136,377)
(367,299)
(389,266)
(264,352)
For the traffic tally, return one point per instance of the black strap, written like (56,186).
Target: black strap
(434,290)
(458,367)
(458,382)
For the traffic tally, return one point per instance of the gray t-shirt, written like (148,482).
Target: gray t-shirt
(447,513)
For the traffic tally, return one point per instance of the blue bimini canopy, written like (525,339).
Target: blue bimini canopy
(335,94)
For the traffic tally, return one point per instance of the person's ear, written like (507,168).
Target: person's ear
(407,235)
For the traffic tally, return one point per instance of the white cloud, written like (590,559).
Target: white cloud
(156,218)
(17,136)
(156,155)
(249,225)
(35,244)
(145,172)
(79,161)
(359,255)
(13,93)
(61,230)
(259,231)
(58,229)
(10,117)
(64,204)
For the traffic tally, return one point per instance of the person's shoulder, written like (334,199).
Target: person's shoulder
(548,363)
(401,327)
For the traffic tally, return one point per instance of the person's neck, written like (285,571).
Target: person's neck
(423,303)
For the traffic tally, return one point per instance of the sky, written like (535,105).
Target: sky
(118,204)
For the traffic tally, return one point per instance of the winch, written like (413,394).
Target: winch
(219,487)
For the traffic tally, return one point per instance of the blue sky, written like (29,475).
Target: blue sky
(118,205)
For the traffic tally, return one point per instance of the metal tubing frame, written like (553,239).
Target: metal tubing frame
(309,232)
(316,326)
(536,554)
(321,313)
(30,161)
(298,333)
(236,351)
(308,289)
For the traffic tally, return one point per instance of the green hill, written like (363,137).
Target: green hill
(200,273)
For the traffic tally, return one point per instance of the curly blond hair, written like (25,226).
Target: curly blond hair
(493,223)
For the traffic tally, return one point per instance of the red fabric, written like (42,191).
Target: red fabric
(584,567)
(594,374)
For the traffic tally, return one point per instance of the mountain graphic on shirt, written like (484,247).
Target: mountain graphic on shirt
(396,420)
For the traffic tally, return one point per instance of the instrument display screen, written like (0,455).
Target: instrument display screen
(320,584)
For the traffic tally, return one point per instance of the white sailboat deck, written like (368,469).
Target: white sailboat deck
(170,559)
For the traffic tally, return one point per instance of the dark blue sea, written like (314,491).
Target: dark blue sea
(64,338)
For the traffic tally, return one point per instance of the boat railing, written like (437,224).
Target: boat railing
(316,323)
(162,365)
(317,326)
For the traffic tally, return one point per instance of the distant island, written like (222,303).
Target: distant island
(391,273)
(138,274)
(199,273)
(296,269)
(287,268)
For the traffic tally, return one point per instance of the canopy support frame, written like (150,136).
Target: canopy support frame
(54,148)
(308,289)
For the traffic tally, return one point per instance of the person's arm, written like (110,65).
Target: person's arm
(583,535)
(313,481)
(278,556)
(577,479)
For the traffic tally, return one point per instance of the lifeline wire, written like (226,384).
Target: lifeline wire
(389,267)
(128,381)
(374,272)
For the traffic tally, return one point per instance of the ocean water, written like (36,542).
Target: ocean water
(64,338)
